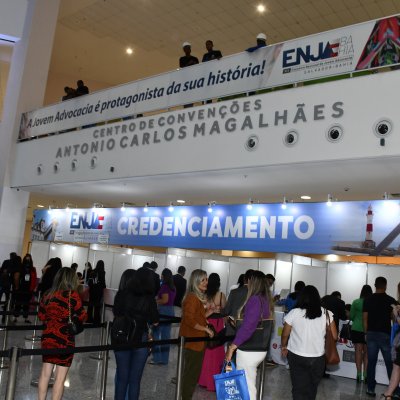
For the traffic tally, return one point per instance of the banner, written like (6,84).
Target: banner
(312,228)
(358,47)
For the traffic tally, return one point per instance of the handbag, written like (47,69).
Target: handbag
(75,325)
(259,340)
(218,338)
(231,383)
(331,353)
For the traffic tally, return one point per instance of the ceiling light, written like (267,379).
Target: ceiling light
(329,202)
(261,8)
(211,204)
(146,207)
(40,205)
(306,197)
(49,210)
(250,204)
(123,207)
(181,201)
(284,203)
(386,196)
(171,207)
(129,50)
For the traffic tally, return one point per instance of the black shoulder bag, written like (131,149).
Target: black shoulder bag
(259,340)
(75,325)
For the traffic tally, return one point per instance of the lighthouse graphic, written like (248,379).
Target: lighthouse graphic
(368,243)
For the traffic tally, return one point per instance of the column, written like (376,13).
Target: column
(25,91)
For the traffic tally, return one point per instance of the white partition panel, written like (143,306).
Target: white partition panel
(390,272)
(80,256)
(40,255)
(160,259)
(267,266)
(347,278)
(190,263)
(283,275)
(310,275)
(107,257)
(235,270)
(63,251)
(139,260)
(121,262)
(219,267)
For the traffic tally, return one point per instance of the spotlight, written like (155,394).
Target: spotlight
(171,207)
(329,202)
(209,209)
(146,207)
(50,211)
(181,201)
(123,207)
(284,203)
(250,204)
(386,196)
(261,8)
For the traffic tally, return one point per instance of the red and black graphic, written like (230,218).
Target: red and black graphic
(383,45)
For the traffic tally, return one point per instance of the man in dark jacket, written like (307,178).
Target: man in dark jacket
(180,286)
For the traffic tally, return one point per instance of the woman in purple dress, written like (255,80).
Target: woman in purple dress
(165,300)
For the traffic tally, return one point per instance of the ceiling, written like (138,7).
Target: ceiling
(90,43)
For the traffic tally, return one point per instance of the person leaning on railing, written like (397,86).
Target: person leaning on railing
(194,324)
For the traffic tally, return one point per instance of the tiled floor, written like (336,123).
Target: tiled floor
(84,378)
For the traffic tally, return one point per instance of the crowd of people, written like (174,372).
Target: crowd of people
(150,300)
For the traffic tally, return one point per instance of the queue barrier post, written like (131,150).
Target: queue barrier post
(104,366)
(12,375)
(4,364)
(34,337)
(99,355)
(260,389)
(179,368)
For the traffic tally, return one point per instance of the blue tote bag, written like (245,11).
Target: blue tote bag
(231,385)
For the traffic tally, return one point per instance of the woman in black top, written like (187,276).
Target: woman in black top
(134,299)
(97,284)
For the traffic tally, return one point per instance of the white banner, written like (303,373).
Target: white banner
(363,46)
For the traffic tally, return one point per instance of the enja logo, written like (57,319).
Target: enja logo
(88,220)
(296,56)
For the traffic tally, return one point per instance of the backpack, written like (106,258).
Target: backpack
(124,330)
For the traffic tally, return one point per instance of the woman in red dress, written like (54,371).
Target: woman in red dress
(54,311)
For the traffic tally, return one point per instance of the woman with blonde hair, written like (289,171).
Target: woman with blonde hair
(194,324)
(259,305)
(57,304)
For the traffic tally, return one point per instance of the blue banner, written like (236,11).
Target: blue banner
(317,228)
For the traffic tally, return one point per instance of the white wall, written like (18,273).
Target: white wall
(361,111)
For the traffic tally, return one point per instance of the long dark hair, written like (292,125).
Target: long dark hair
(366,291)
(310,301)
(126,278)
(100,266)
(27,260)
(214,283)
(167,278)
